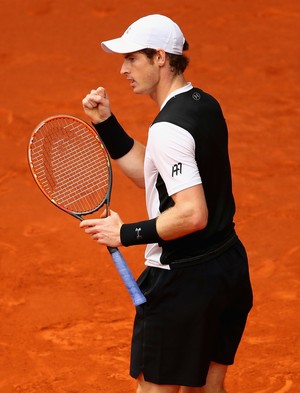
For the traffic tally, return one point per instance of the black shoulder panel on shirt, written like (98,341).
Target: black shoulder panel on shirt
(200,114)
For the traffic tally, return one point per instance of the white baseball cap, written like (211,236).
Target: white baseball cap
(152,31)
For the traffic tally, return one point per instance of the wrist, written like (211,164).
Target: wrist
(114,137)
(142,232)
(97,119)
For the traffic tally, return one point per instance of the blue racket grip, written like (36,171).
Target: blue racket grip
(136,295)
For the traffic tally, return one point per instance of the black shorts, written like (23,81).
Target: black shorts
(193,316)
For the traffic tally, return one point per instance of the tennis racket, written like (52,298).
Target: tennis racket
(71,166)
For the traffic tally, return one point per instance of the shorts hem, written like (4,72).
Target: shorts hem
(169,381)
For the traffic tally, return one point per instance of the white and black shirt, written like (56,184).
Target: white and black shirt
(187,146)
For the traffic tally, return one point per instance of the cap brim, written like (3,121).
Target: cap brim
(120,45)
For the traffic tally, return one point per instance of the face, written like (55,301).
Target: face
(143,73)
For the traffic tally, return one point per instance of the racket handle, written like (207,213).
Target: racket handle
(136,295)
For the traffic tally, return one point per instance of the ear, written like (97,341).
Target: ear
(161,57)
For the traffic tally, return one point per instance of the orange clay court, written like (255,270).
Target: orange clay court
(65,315)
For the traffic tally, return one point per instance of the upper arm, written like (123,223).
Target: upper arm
(172,150)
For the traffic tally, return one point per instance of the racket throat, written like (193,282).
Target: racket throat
(112,249)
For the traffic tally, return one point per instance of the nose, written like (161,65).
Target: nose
(124,68)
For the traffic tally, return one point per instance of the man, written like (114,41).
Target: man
(196,281)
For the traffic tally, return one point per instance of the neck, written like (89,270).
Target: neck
(166,86)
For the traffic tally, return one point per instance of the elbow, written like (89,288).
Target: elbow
(197,220)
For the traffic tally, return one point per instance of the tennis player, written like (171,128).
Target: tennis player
(196,278)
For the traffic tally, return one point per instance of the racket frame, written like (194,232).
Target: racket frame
(137,296)
(78,214)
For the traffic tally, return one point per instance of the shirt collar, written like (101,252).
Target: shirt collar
(174,93)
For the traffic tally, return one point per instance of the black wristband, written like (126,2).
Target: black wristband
(143,232)
(114,137)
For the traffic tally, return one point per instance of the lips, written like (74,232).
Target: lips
(131,81)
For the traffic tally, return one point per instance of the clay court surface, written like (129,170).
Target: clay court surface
(65,317)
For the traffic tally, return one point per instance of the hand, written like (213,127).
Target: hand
(96,105)
(105,230)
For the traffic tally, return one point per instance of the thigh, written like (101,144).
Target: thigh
(169,343)
(186,323)
(237,295)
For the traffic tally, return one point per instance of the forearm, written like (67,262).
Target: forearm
(127,152)
(168,226)
(189,214)
(173,224)
(132,164)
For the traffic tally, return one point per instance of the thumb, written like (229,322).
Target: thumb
(113,213)
(104,214)
(102,92)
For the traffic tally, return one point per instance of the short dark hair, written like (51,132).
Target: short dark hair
(178,63)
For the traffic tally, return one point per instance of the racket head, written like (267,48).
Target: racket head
(70,164)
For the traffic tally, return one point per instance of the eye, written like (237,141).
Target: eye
(130,57)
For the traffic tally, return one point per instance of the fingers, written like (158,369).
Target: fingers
(94,98)
(94,224)
(92,228)
(96,105)
(105,231)
(88,223)
(102,92)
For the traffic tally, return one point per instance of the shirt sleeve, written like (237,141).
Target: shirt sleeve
(172,150)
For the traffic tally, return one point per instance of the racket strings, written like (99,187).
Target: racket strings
(71,165)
